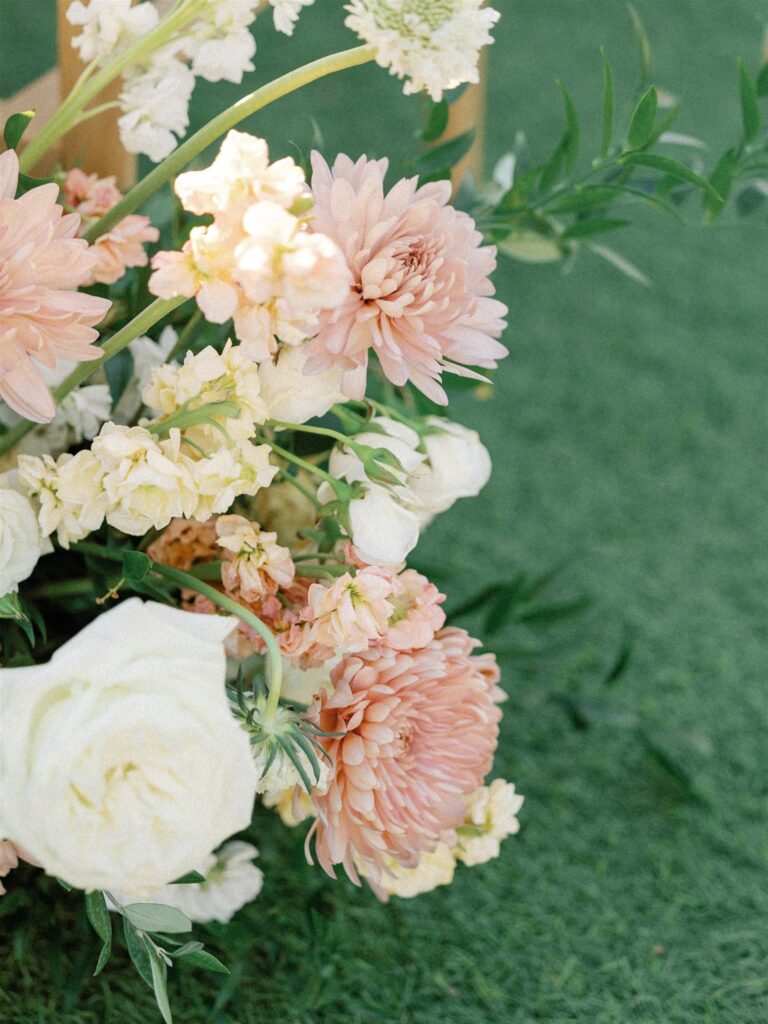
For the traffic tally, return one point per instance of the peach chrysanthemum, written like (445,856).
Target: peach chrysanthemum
(421,297)
(43,318)
(123,246)
(184,543)
(419,729)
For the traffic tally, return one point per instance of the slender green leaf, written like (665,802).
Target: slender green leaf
(160,985)
(437,121)
(531,247)
(571,138)
(553,612)
(15,127)
(620,663)
(593,226)
(762,81)
(137,950)
(643,44)
(206,961)
(157,917)
(101,922)
(609,105)
(750,108)
(721,180)
(643,120)
(446,155)
(622,264)
(671,167)
(190,878)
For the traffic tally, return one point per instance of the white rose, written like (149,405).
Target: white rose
(383,532)
(121,766)
(459,466)
(292,397)
(21,542)
(231,881)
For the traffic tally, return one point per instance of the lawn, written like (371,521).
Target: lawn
(629,430)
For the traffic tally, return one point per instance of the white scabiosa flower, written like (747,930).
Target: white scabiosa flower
(491,818)
(231,881)
(433,44)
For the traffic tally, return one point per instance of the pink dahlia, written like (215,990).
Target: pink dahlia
(421,296)
(123,246)
(43,318)
(419,729)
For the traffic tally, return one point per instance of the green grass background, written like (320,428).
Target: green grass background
(629,430)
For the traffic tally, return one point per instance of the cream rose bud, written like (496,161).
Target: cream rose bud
(458,466)
(21,543)
(292,397)
(121,766)
(383,532)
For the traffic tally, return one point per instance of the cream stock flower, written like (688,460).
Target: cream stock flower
(232,880)
(121,766)
(107,25)
(433,44)
(436,867)
(257,565)
(70,493)
(492,816)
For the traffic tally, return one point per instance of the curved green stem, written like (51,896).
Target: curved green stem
(302,428)
(221,124)
(184,336)
(136,327)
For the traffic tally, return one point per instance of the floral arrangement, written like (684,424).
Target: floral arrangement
(221,436)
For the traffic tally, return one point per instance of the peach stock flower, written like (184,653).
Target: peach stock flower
(43,318)
(121,247)
(353,612)
(419,729)
(421,297)
(417,615)
(256,564)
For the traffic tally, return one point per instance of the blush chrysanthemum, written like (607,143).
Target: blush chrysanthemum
(43,318)
(412,734)
(421,296)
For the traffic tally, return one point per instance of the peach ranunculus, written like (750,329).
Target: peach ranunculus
(121,247)
(411,735)
(43,318)
(422,295)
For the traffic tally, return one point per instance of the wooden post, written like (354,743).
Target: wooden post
(95,144)
(470,111)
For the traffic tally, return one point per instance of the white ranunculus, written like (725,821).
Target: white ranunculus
(394,436)
(121,766)
(231,881)
(292,397)
(383,531)
(459,467)
(21,542)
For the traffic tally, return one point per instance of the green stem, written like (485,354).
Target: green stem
(62,588)
(184,418)
(141,323)
(86,547)
(184,335)
(302,428)
(298,461)
(221,124)
(188,582)
(92,82)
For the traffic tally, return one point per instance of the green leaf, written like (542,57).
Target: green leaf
(553,612)
(531,247)
(571,138)
(643,45)
(762,81)
(119,370)
(12,607)
(750,108)
(191,878)
(446,155)
(671,167)
(205,961)
(586,197)
(721,180)
(593,226)
(136,565)
(436,122)
(609,103)
(157,917)
(160,985)
(643,119)
(620,663)
(138,951)
(15,127)
(622,264)
(101,922)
